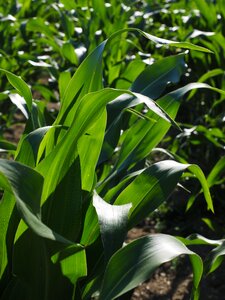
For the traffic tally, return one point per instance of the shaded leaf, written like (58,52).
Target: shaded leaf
(26,185)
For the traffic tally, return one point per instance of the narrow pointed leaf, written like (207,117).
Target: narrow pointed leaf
(161,41)
(196,170)
(216,172)
(20,85)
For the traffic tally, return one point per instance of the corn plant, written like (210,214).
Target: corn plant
(76,187)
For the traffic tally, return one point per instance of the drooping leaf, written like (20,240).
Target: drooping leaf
(205,77)
(26,185)
(215,258)
(28,147)
(113,224)
(20,103)
(20,85)
(135,263)
(144,136)
(154,185)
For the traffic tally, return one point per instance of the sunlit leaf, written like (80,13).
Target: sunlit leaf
(113,224)
(135,263)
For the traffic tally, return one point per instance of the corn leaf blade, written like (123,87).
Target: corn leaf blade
(113,224)
(135,263)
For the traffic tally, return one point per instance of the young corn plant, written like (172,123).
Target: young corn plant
(76,187)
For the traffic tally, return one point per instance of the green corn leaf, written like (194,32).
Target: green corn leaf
(151,82)
(91,228)
(20,104)
(73,263)
(204,8)
(94,141)
(89,148)
(39,25)
(198,239)
(205,77)
(7,146)
(28,146)
(196,170)
(135,263)
(88,78)
(154,79)
(30,266)
(215,258)
(64,78)
(69,53)
(68,5)
(26,185)
(144,136)
(156,40)
(55,165)
(113,224)
(9,220)
(8,213)
(63,209)
(154,185)
(216,172)
(150,188)
(37,276)
(116,190)
(88,111)
(20,85)
(82,82)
